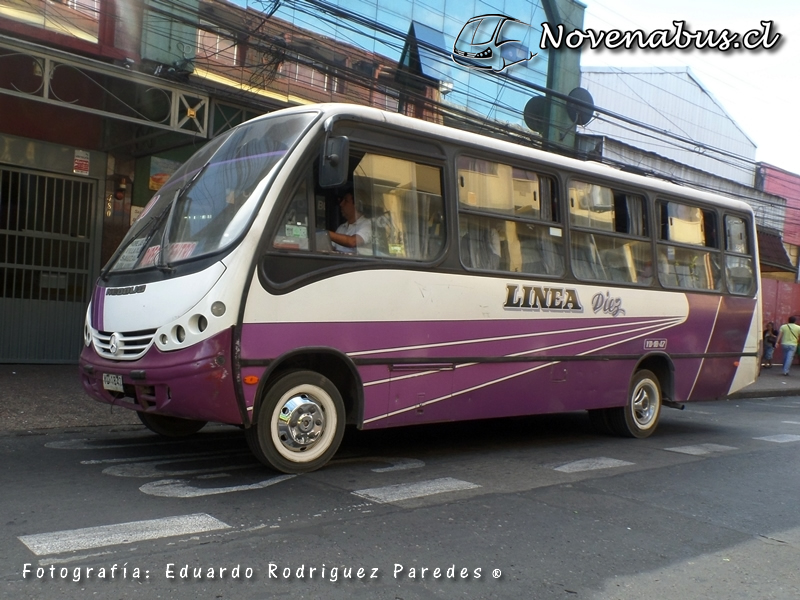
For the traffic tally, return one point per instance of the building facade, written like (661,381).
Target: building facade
(781,287)
(102,100)
(689,138)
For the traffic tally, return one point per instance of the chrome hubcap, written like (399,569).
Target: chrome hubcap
(301,422)
(645,403)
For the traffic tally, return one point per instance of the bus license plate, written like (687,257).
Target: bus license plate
(112,383)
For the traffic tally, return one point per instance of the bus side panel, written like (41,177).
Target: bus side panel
(506,390)
(729,336)
(272,341)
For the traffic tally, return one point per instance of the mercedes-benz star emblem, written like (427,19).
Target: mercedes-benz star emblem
(113,344)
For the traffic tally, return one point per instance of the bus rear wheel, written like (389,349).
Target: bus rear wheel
(170,426)
(639,417)
(299,423)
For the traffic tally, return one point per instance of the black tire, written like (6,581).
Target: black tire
(599,419)
(170,426)
(639,417)
(299,423)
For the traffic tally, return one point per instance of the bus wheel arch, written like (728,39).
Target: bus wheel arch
(640,415)
(651,386)
(663,368)
(298,423)
(302,406)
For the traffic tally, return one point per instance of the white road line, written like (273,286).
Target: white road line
(58,542)
(400,464)
(791,422)
(781,438)
(397,464)
(151,470)
(180,488)
(71,559)
(406,491)
(700,449)
(592,464)
(132,459)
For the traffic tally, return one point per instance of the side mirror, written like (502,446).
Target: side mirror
(334,161)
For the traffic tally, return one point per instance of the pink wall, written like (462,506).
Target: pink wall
(781,300)
(786,185)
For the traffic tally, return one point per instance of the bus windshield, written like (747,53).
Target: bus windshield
(209,201)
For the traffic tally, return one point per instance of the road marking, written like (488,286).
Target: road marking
(123,533)
(400,464)
(87,444)
(180,488)
(71,559)
(135,459)
(781,438)
(700,449)
(397,464)
(592,464)
(406,491)
(150,470)
(791,422)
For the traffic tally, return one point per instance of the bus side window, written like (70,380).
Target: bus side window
(403,201)
(609,237)
(739,272)
(688,256)
(509,219)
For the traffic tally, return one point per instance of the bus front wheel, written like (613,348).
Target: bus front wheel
(639,417)
(170,426)
(299,423)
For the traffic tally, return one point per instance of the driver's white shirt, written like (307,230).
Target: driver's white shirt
(363,229)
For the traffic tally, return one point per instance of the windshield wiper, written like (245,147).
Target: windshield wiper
(156,224)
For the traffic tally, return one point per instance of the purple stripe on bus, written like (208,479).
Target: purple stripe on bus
(432,339)
(98,305)
(728,333)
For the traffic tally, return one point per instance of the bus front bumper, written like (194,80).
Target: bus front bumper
(193,383)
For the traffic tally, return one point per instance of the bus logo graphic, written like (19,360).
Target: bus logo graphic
(114,345)
(482,44)
(651,344)
(534,297)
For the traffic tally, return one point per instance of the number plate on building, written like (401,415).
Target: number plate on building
(112,383)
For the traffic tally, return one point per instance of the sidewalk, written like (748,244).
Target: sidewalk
(37,397)
(771,382)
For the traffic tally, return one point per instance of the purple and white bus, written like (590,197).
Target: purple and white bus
(484,279)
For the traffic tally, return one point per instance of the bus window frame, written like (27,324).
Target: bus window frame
(648,213)
(752,244)
(716,250)
(325,264)
(507,160)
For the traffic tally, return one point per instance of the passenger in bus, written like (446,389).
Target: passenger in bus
(355,234)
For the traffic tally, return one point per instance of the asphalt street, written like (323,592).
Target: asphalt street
(539,507)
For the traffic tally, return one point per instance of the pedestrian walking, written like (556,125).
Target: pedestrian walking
(770,339)
(788,336)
